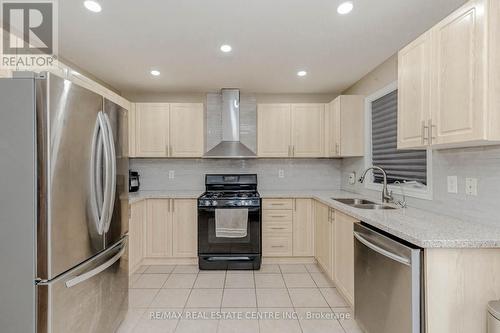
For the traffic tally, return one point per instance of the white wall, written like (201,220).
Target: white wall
(482,163)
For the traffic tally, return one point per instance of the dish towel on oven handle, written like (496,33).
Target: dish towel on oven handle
(231,223)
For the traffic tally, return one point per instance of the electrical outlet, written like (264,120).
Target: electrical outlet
(171,174)
(352,178)
(471,186)
(281,173)
(452,184)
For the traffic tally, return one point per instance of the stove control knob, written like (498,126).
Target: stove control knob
(207,203)
(214,203)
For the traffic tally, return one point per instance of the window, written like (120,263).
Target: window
(409,167)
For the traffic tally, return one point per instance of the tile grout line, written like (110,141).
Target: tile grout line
(291,301)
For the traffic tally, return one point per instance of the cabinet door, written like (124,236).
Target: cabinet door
(322,241)
(344,254)
(158,228)
(136,234)
(414,93)
(334,128)
(186,130)
(185,228)
(458,75)
(351,117)
(308,138)
(273,130)
(303,228)
(152,126)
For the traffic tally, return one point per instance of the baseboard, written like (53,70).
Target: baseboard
(169,261)
(288,260)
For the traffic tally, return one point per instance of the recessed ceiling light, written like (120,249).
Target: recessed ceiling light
(92,5)
(226,48)
(301,73)
(345,7)
(155,72)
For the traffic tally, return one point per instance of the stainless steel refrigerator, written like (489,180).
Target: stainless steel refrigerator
(63,207)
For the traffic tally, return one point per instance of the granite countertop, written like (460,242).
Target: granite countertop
(422,228)
(171,194)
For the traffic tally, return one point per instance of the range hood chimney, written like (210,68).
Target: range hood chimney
(230,146)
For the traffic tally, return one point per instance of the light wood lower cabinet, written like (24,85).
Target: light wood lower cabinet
(303,228)
(163,228)
(137,228)
(158,228)
(324,247)
(344,254)
(287,228)
(458,284)
(184,228)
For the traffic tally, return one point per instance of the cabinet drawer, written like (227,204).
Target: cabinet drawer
(277,203)
(276,227)
(277,215)
(277,245)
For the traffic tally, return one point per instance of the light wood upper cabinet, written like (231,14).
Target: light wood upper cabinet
(414,93)
(152,129)
(303,228)
(449,81)
(345,126)
(186,130)
(308,130)
(167,130)
(458,72)
(158,228)
(274,130)
(344,254)
(185,228)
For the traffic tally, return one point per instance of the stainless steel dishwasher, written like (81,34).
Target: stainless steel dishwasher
(387,283)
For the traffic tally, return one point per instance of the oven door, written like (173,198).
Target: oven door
(209,244)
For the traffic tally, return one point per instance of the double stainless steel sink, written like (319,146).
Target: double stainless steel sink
(363,204)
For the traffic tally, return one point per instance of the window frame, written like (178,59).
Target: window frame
(421,193)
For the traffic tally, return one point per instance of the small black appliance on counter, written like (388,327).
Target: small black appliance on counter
(133,181)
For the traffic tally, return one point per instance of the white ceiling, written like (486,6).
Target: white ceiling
(271,40)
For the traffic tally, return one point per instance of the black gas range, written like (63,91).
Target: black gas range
(233,196)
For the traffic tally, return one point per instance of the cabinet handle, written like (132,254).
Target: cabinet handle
(277,204)
(431,131)
(168,205)
(277,215)
(293,150)
(277,246)
(276,228)
(424,130)
(173,205)
(289,150)
(337,148)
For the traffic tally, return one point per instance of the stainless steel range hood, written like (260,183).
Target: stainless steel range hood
(230,146)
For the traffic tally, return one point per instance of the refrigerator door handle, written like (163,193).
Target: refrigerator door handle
(98,143)
(112,179)
(87,275)
(105,214)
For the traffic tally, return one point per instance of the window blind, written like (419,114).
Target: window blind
(409,165)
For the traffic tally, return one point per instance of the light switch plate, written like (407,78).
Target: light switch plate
(452,184)
(281,173)
(171,174)
(471,186)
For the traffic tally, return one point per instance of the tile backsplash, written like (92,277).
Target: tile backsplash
(189,174)
(482,163)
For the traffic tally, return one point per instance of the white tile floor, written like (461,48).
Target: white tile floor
(278,298)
